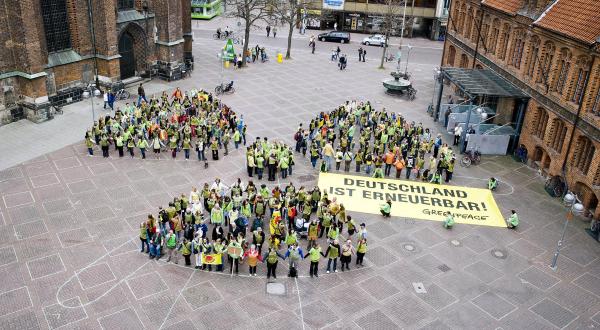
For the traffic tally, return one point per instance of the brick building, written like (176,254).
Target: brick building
(51,49)
(549,49)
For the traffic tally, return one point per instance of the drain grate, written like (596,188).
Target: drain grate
(443,267)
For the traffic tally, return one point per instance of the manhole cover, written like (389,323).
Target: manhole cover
(409,247)
(276,288)
(500,254)
(455,242)
(443,267)
(419,287)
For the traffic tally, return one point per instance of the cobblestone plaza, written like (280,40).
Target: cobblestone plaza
(69,246)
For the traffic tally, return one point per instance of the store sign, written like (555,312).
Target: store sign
(333,4)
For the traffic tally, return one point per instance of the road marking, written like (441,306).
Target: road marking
(299,302)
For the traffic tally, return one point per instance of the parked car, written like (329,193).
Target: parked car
(375,40)
(337,36)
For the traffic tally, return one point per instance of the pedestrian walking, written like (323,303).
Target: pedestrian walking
(268,28)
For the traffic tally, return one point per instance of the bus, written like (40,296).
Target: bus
(206,9)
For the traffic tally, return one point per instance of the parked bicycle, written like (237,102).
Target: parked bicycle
(472,156)
(122,94)
(225,88)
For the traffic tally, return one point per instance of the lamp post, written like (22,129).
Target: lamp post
(575,208)
(91,92)
(145,8)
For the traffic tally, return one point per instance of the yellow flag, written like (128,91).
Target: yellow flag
(212,259)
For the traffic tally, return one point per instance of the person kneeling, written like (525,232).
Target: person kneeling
(386,208)
(449,221)
(492,184)
(513,221)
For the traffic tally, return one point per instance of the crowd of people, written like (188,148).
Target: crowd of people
(190,121)
(277,157)
(254,224)
(355,136)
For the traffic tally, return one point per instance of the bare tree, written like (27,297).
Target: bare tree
(249,11)
(391,18)
(287,11)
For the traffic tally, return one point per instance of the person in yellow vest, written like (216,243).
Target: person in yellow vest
(332,253)
(142,144)
(315,254)
(291,238)
(171,246)
(216,215)
(449,221)
(186,251)
(313,231)
(361,250)
(234,256)
(271,258)
(89,143)
(119,144)
(513,220)
(144,237)
(347,252)
(386,208)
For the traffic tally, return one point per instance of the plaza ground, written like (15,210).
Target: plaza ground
(68,242)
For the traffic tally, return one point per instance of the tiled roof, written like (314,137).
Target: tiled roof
(578,19)
(507,6)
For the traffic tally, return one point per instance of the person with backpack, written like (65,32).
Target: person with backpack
(171,240)
(295,254)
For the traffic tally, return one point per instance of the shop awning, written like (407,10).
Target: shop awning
(482,82)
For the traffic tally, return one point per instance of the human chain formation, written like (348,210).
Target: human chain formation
(194,120)
(235,222)
(385,141)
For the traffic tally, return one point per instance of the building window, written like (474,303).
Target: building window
(582,76)
(596,104)
(125,4)
(464,61)
(559,132)
(494,35)
(546,63)
(485,28)
(539,128)
(56,25)
(504,42)
(563,71)
(517,52)
(584,154)
(469,25)
(532,58)
(451,55)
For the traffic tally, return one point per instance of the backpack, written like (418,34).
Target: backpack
(297,136)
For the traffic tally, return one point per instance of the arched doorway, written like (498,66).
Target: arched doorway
(126,50)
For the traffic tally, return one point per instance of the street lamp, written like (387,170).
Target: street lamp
(575,208)
(87,93)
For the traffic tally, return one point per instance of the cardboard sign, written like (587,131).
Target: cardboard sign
(412,199)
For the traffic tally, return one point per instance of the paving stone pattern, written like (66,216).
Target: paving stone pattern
(69,246)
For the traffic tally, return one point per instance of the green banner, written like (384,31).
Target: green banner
(228,51)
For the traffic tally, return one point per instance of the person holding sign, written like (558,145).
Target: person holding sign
(513,220)
(234,252)
(386,208)
(449,221)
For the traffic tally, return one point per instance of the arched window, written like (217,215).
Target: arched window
(461,18)
(504,41)
(475,31)
(558,132)
(493,41)
(546,63)
(455,19)
(532,57)
(584,154)
(56,25)
(540,123)
(469,24)
(582,74)
(464,61)
(562,72)
(485,29)
(451,55)
(517,49)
